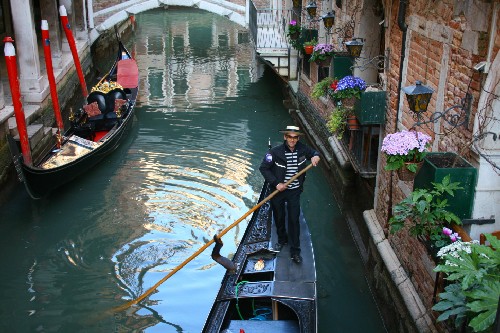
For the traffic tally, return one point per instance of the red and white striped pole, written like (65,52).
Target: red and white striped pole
(11,63)
(50,75)
(72,46)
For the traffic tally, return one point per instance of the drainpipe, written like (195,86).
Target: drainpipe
(402,25)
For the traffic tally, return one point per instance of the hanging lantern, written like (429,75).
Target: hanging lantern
(311,9)
(418,97)
(354,46)
(329,20)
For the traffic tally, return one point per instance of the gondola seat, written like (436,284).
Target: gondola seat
(102,108)
(99,98)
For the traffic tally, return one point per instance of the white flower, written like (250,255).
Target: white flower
(456,247)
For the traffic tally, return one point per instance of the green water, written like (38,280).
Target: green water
(189,168)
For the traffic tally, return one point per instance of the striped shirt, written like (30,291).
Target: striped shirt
(292,167)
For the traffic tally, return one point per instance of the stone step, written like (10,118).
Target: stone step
(40,138)
(35,134)
(30,114)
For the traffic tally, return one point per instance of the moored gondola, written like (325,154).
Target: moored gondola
(268,292)
(95,131)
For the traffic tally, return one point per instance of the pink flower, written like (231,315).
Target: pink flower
(447,231)
(454,237)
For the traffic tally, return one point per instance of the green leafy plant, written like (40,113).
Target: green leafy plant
(293,34)
(473,295)
(424,211)
(320,89)
(337,122)
(293,28)
(311,42)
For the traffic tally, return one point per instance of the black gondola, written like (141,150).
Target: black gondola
(268,292)
(96,130)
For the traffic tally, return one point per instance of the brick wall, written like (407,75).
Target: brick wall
(438,56)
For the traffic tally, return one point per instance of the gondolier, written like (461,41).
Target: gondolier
(278,166)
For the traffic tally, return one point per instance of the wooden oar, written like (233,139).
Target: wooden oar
(194,255)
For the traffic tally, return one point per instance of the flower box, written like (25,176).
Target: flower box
(370,108)
(437,166)
(342,63)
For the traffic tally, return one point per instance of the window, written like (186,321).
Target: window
(362,147)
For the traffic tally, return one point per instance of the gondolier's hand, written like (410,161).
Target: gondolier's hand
(315,160)
(281,187)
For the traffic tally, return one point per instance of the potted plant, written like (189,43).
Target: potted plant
(293,34)
(473,274)
(322,54)
(439,164)
(424,212)
(294,30)
(348,89)
(309,46)
(320,89)
(405,151)
(337,121)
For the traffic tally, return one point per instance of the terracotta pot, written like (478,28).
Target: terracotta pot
(353,123)
(406,175)
(308,49)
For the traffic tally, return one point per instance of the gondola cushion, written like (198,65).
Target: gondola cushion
(99,98)
(119,103)
(112,96)
(92,109)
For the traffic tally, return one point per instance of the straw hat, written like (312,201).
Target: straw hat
(292,130)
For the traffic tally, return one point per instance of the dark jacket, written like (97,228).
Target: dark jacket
(273,166)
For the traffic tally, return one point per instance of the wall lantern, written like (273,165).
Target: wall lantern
(311,9)
(418,97)
(354,47)
(296,3)
(328,20)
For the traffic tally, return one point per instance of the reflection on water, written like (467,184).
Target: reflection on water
(189,169)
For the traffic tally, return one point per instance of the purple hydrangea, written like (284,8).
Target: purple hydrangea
(404,142)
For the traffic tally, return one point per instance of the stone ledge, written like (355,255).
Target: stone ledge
(339,152)
(413,303)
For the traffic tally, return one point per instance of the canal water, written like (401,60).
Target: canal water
(206,111)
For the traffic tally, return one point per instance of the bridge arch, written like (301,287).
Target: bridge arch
(233,12)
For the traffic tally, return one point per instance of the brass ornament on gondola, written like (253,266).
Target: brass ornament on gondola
(106,86)
(259,265)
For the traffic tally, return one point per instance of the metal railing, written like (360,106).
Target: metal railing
(272,26)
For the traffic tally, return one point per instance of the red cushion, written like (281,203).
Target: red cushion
(92,109)
(119,103)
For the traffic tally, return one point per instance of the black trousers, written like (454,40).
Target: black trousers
(287,204)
